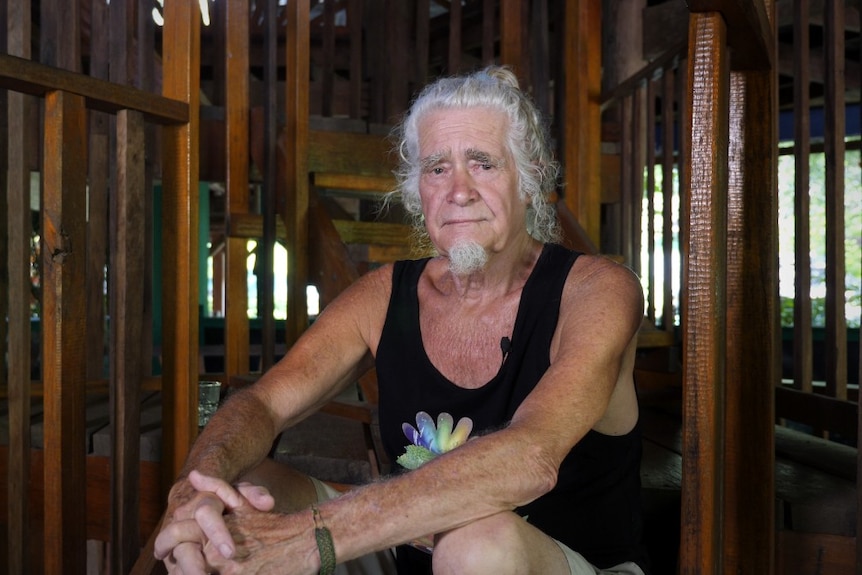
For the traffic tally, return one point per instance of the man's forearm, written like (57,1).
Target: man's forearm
(237,438)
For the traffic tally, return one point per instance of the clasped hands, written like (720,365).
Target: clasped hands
(215,527)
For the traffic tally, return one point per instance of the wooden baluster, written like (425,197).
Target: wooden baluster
(64,363)
(704,335)
(833,147)
(752,323)
(180,148)
(668,96)
(127,306)
(354,25)
(294,209)
(237,170)
(802,337)
(649,136)
(20,228)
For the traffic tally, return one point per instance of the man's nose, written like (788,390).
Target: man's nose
(463,190)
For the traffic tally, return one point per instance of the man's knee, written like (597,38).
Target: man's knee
(490,545)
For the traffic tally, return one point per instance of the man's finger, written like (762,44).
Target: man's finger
(258,495)
(223,489)
(189,559)
(175,534)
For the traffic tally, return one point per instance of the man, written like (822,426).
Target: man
(533,343)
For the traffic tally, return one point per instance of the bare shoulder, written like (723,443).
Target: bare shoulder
(363,304)
(600,289)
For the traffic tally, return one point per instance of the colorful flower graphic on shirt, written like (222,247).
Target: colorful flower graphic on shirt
(429,440)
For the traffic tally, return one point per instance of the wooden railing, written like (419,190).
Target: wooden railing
(73,213)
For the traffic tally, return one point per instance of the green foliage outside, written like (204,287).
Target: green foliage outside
(817,223)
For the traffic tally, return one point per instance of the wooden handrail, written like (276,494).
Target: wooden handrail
(29,77)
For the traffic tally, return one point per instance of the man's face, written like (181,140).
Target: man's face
(469,184)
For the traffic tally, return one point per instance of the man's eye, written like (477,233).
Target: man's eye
(487,166)
(437,170)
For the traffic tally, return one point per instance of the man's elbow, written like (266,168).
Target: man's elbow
(542,472)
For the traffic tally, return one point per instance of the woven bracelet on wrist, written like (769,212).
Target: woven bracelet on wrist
(325,547)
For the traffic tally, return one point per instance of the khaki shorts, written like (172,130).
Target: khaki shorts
(382,563)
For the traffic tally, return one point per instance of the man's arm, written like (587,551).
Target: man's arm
(332,352)
(592,356)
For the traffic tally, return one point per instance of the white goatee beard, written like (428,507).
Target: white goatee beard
(467,257)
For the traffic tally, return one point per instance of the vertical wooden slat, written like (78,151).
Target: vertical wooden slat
(294,210)
(354,24)
(650,197)
(375,11)
(454,60)
(145,80)
(59,27)
(265,280)
(539,56)
(127,232)
(237,149)
(19,360)
(180,148)
(802,337)
(489,31)
(397,60)
(127,304)
(631,204)
(511,36)
(423,17)
(667,178)
(752,323)
(684,166)
(626,160)
(328,79)
(581,144)
(97,204)
(704,348)
(833,147)
(63,331)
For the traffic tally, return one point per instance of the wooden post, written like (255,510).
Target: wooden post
(581,116)
(752,323)
(294,207)
(181,81)
(237,152)
(704,330)
(64,371)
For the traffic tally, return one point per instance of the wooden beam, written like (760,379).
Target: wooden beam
(180,145)
(705,305)
(64,367)
(22,75)
(749,32)
(350,153)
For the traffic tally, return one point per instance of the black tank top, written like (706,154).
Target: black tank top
(595,506)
